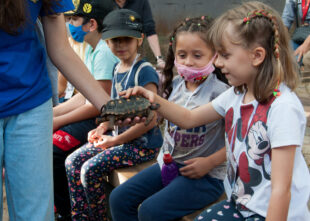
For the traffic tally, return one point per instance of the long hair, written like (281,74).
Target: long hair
(14,16)
(199,25)
(268,32)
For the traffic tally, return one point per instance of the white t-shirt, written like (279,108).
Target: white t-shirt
(251,130)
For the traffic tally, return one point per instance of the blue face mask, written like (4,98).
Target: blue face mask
(77,33)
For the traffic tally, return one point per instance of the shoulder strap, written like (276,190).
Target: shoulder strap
(142,65)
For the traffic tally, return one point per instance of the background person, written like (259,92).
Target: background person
(26,105)
(129,146)
(290,15)
(142,7)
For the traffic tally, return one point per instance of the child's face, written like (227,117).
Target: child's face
(125,48)
(75,20)
(192,51)
(235,61)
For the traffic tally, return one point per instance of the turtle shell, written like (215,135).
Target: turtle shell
(126,107)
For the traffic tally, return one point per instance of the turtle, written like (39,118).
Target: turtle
(122,108)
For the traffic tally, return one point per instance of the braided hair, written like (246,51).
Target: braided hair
(255,23)
(199,25)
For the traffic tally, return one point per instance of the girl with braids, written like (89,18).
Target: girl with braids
(267,177)
(25,101)
(198,152)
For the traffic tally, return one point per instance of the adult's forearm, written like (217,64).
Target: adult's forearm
(68,62)
(154,44)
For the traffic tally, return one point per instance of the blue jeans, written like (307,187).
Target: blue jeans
(181,197)
(26,153)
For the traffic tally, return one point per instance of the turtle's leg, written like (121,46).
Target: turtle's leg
(154,106)
(111,122)
(149,117)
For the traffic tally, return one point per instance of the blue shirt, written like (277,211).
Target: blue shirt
(24,82)
(152,138)
(289,13)
(101,61)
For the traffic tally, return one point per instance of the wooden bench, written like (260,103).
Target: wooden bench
(119,176)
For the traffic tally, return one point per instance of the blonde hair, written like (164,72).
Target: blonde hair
(268,32)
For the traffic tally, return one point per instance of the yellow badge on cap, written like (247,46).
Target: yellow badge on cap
(34,1)
(87,8)
(132,18)
(76,4)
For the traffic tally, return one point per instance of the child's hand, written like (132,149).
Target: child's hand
(96,133)
(138,90)
(105,142)
(196,168)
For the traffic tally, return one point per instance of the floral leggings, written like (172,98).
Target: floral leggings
(86,168)
(225,211)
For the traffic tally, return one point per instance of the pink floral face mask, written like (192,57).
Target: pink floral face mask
(195,75)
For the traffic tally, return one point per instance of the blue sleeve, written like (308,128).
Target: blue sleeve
(59,7)
(288,15)
(148,75)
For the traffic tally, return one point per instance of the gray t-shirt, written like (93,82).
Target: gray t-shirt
(200,141)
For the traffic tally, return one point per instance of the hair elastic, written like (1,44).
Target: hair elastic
(272,19)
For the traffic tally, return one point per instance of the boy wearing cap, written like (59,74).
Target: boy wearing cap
(129,146)
(142,7)
(74,118)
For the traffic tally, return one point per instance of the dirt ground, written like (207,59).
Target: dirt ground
(303,93)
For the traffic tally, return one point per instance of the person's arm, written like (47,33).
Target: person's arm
(175,113)
(154,45)
(68,62)
(62,85)
(198,167)
(86,111)
(281,178)
(302,49)
(288,14)
(132,133)
(149,30)
(106,85)
(68,106)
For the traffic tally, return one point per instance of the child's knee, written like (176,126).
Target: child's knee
(86,174)
(116,199)
(148,212)
(69,163)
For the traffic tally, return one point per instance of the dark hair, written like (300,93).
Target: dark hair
(13,14)
(199,25)
(98,20)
